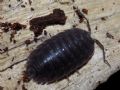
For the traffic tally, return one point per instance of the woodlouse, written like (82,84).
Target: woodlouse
(61,55)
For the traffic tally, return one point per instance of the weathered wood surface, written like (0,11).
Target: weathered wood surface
(94,72)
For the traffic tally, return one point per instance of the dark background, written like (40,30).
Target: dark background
(113,83)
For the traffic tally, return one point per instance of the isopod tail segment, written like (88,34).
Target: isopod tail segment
(78,12)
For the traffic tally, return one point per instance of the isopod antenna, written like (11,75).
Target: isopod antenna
(81,15)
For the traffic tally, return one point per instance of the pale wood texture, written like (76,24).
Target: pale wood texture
(94,72)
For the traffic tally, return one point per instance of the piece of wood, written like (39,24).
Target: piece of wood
(104,18)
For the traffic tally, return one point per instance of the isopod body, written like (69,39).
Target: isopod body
(59,56)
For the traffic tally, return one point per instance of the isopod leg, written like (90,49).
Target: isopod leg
(88,24)
(103,50)
(68,81)
(78,73)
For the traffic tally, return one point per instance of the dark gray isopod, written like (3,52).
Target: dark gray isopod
(61,55)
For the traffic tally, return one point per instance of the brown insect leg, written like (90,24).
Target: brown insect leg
(102,48)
